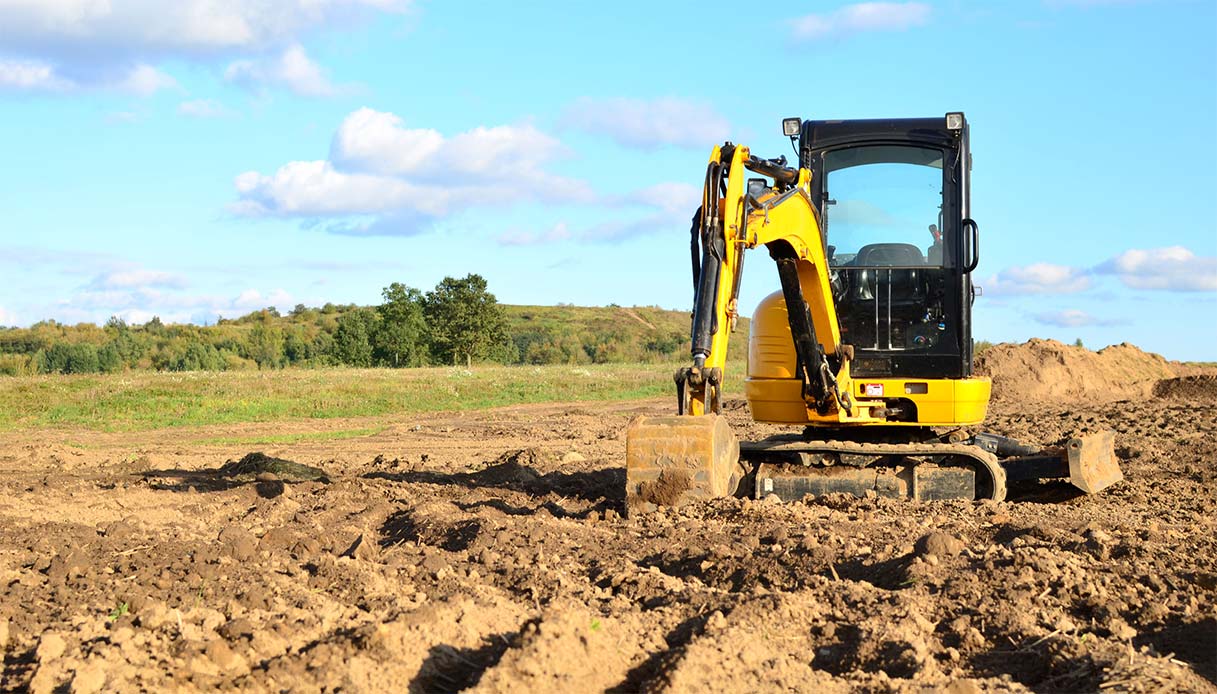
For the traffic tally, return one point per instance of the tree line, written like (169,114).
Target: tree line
(458,322)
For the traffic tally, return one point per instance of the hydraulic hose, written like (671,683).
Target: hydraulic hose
(706,278)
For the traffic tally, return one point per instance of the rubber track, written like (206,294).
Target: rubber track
(984,460)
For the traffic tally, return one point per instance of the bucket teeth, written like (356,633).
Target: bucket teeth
(674,460)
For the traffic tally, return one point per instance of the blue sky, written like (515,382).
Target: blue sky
(205,158)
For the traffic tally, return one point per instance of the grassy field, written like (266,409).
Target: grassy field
(142,401)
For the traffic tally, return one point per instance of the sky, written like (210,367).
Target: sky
(207,158)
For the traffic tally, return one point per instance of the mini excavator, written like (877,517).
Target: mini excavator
(868,343)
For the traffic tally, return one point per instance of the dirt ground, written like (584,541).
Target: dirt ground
(488,552)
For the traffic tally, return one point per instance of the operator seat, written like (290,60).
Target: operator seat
(906,283)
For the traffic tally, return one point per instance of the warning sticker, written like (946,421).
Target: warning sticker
(874,390)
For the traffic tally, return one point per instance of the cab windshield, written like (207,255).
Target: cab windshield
(883,206)
(883,216)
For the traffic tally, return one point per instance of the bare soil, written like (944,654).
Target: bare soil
(488,551)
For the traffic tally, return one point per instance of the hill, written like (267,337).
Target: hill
(333,335)
(608,334)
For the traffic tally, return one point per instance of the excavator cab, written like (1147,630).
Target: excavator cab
(893,202)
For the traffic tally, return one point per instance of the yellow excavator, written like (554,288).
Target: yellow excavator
(868,343)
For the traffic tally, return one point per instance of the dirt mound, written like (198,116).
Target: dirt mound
(1046,371)
(1202,387)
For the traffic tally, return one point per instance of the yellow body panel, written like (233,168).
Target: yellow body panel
(774,390)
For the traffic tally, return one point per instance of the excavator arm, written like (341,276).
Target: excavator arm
(737,215)
(670,460)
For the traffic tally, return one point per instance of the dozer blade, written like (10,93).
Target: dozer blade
(1092,461)
(670,461)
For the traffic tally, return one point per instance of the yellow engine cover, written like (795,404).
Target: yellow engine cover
(774,390)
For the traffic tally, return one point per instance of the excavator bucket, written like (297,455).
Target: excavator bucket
(1092,462)
(673,460)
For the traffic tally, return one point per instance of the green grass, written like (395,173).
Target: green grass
(143,401)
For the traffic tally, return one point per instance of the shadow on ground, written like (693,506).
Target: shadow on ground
(607,484)
(207,481)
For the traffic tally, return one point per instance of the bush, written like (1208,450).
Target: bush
(109,360)
(199,356)
(15,365)
(65,358)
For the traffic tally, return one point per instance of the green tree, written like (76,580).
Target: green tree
(295,346)
(200,356)
(125,342)
(466,321)
(265,343)
(154,326)
(400,338)
(70,359)
(352,338)
(108,358)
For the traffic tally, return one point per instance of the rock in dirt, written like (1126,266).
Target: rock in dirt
(50,647)
(238,543)
(223,656)
(68,565)
(89,680)
(3,635)
(568,649)
(237,629)
(118,530)
(155,616)
(939,544)
(46,680)
(962,687)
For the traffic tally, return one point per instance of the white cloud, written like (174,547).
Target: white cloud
(7,317)
(145,80)
(293,70)
(1037,278)
(133,278)
(1173,268)
(860,17)
(668,207)
(315,188)
(203,108)
(140,304)
(99,43)
(381,168)
(34,75)
(178,27)
(648,125)
(378,142)
(1071,318)
(669,196)
(29,74)
(558,232)
(252,300)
